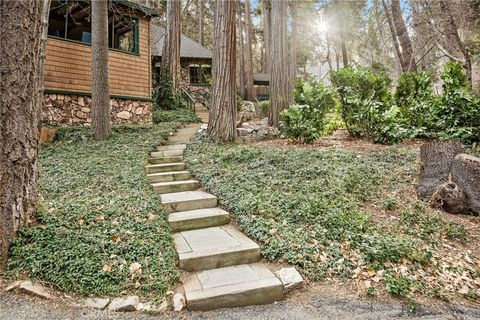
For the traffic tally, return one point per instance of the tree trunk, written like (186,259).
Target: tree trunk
(279,84)
(241,47)
(396,45)
(171,48)
(41,63)
(20,52)
(293,47)
(453,36)
(223,111)
(249,88)
(344,53)
(436,160)
(200,21)
(100,88)
(465,173)
(409,63)
(329,55)
(267,33)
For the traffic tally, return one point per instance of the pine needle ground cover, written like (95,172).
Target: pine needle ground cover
(342,215)
(99,218)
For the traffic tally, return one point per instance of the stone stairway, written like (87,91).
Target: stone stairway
(222,265)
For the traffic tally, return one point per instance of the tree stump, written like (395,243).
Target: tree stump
(436,159)
(465,173)
(449,178)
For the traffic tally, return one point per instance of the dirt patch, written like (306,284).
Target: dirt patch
(340,140)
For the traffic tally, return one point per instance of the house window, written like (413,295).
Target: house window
(72,20)
(200,74)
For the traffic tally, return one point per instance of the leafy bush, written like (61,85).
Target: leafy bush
(415,100)
(314,94)
(303,123)
(181,115)
(239,102)
(366,104)
(458,114)
(305,120)
(334,123)
(264,106)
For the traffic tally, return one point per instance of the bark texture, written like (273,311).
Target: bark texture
(41,63)
(100,89)
(171,47)
(465,173)
(449,178)
(408,59)
(293,46)
(279,75)
(241,51)
(19,116)
(200,21)
(453,37)
(223,110)
(249,89)
(267,33)
(436,159)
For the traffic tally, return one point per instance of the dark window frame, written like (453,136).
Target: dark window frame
(136,30)
(199,74)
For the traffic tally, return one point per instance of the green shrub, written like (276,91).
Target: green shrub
(415,100)
(302,123)
(314,94)
(458,114)
(264,105)
(181,115)
(334,123)
(239,102)
(366,104)
(305,120)
(163,95)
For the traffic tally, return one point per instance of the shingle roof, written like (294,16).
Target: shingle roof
(189,48)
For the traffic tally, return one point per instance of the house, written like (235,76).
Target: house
(261,82)
(68,63)
(195,60)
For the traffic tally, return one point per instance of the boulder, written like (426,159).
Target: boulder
(178,302)
(153,309)
(290,278)
(96,303)
(124,115)
(124,304)
(34,289)
(241,132)
(247,106)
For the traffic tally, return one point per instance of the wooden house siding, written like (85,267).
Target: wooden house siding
(68,67)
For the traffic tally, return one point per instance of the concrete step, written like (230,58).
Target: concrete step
(172,147)
(175,186)
(169,176)
(236,286)
(173,159)
(214,247)
(166,153)
(188,200)
(165,167)
(197,219)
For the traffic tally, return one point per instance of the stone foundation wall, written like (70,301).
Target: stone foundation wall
(60,109)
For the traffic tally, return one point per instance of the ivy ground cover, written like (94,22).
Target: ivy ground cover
(101,230)
(342,214)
